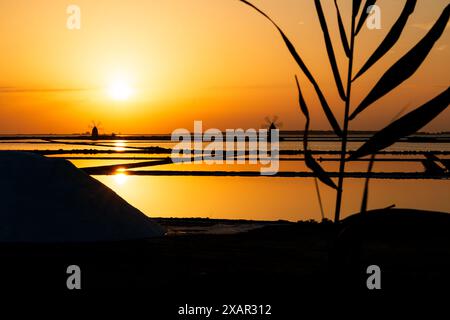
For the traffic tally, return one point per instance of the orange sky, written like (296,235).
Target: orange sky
(216,61)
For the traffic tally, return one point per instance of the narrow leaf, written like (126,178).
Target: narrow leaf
(445,162)
(407,65)
(365,199)
(356,5)
(405,126)
(311,163)
(330,51)
(391,38)
(317,169)
(431,156)
(305,111)
(302,103)
(326,108)
(432,168)
(364,15)
(342,33)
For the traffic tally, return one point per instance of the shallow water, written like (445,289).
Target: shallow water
(257,198)
(268,198)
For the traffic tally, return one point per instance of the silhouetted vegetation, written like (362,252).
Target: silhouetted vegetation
(392,78)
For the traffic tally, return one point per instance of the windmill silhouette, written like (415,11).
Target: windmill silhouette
(271,124)
(95,128)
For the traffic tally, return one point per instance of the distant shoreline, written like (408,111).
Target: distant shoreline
(146,135)
(285,136)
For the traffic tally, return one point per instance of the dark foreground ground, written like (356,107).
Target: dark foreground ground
(278,262)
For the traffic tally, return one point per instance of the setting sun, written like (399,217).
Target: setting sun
(120,90)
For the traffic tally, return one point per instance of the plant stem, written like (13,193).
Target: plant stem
(319,198)
(365,198)
(345,129)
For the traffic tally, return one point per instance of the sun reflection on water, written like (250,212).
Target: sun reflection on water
(120,177)
(119,145)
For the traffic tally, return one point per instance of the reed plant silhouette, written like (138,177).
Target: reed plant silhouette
(399,72)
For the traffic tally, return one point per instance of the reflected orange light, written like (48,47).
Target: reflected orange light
(119,146)
(120,177)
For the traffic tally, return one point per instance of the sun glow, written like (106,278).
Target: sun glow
(120,89)
(120,176)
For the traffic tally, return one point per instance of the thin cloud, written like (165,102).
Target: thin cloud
(42,90)
(249,87)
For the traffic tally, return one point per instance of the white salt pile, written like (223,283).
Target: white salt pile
(50,200)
